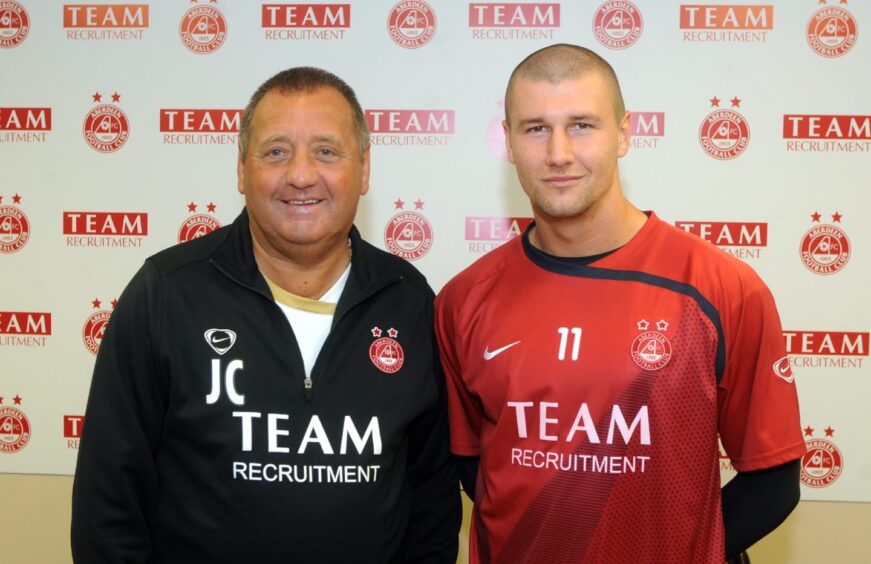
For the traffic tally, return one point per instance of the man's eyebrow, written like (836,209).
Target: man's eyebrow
(327,139)
(530,121)
(285,139)
(576,117)
(585,117)
(273,139)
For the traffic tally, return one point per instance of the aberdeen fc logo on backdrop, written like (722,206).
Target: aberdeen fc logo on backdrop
(617,25)
(724,133)
(14,226)
(106,127)
(408,233)
(823,463)
(825,249)
(14,426)
(385,352)
(832,30)
(14,24)
(411,24)
(198,224)
(203,29)
(95,326)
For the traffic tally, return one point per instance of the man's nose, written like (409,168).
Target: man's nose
(301,170)
(559,149)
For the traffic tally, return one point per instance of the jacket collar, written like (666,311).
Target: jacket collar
(234,256)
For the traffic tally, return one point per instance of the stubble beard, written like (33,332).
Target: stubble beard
(562,208)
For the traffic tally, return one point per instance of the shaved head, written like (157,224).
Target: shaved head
(561,62)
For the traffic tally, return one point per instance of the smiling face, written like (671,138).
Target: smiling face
(564,139)
(302,174)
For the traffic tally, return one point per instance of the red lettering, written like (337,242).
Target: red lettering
(826,343)
(826,127)
(105,223)
(25,119)
(199,121)
(25,323)
(514,15)
(699,16)
(106,15)
(438,122)
(306,15)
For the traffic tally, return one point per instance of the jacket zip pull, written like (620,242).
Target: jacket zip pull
(308,387)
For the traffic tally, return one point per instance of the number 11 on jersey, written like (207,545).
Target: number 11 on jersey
(564,341)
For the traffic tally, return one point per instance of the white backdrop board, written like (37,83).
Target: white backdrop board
(118,123)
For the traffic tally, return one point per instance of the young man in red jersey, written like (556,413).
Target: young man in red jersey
(592,362)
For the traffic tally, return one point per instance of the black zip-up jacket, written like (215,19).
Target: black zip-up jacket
(202,442)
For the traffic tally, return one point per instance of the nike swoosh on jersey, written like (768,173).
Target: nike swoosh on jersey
(490,354)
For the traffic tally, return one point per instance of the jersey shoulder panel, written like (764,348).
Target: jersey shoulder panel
(669,252)
(485,271)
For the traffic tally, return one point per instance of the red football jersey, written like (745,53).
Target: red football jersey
(594,395)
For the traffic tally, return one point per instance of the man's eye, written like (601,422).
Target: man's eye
(275,152)
(536,129)
(580,125)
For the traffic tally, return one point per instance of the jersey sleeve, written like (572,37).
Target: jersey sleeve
(463,409)
(115,481)
(758,414)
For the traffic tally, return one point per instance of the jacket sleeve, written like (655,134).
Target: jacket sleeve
(115,480)
(433,531)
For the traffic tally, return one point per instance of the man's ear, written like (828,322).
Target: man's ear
(624,134)
(506,128)
(240,172)
(364,187)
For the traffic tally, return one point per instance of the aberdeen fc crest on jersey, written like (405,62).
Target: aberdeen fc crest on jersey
(386,353)
(651,350)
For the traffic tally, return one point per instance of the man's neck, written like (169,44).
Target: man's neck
(305,270)
(597,231)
